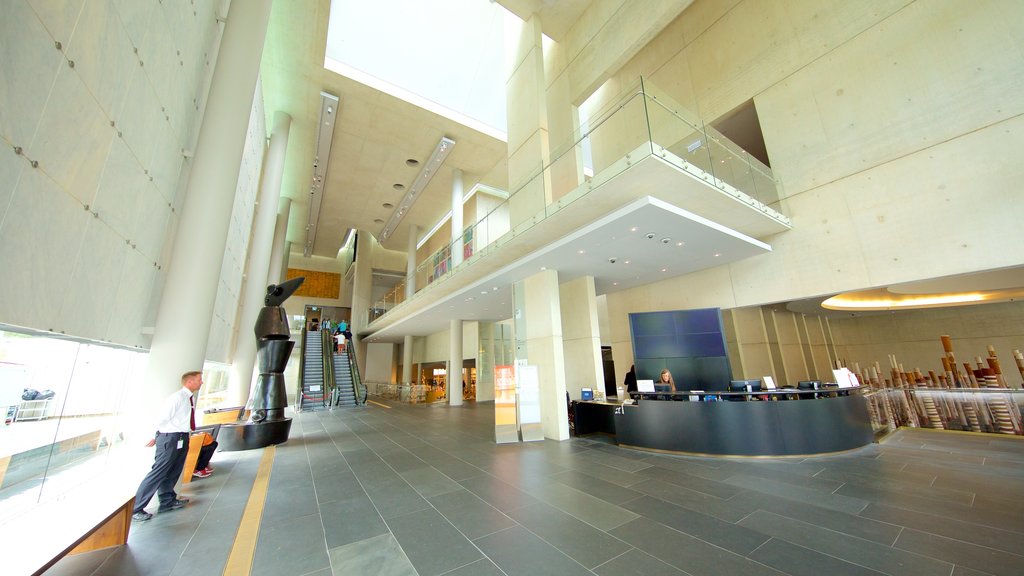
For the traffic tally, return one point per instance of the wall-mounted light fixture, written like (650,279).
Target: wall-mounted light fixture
(444,147)
(322,155)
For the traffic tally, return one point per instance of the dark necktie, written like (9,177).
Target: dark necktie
(192,414)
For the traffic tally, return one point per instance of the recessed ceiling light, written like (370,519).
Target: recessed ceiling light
(468,299)
(633,229)
(627,261)
(412,162)
(680,243)
(664,269)
(494,287)
(542,268)
(615,283)
(388,205)
(398,186)
(582,251)
(717,255)
(483,291)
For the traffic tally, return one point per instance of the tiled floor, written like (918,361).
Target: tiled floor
(424,490)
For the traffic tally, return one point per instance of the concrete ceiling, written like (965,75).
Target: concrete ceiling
(375,134)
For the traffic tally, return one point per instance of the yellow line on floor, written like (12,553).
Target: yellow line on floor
(242,551)
(379,404)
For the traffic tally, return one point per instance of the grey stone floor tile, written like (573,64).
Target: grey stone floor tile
(951,510)
(471,515)
(295,546)
(730,536)
(729,510)
(799,561)
(961,553)
(395,498)
(851,524)
(834,501)
(83,563)
(288,502)
(858,551)
(482,567)
(606,473)
(380,556)
(596,487)
(429,482)
(637,563)
(1012,542)
(576,539)
(710,487)
(517,552)
(695,556)
(965,571)
(432,544)
(501,495)
(351,520)
(593,511)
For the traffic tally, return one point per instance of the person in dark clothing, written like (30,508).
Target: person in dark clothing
(630,381)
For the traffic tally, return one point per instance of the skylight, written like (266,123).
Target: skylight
(447,57)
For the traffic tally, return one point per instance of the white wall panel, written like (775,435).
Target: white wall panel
(83,234)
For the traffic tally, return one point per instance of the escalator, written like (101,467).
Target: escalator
(311,373)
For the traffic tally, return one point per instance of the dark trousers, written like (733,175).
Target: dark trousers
(205,454)
(165,472)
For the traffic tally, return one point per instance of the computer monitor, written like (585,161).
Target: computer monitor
(587,393)
(744,386)
(663,388)
(645,385)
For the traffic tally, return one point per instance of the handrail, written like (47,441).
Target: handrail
(357,382)
(302,371)
(327,348)
(726,167)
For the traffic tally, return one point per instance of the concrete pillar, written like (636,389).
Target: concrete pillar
(456,217)
(581,336)
(186,309)
(258,260)
(410,261)
(542,324)
(284,258)
(362,291)
(407,360)
(279,250)
(455,363)
(528,141)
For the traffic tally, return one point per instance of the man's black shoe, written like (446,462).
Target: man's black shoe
(174,505)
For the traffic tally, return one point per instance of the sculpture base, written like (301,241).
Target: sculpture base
(252,435)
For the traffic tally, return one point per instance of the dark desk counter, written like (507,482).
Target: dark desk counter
(744,428)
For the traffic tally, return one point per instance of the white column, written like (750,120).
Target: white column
(407,360)
(190,291)
(456,217)
(284,258)
(362,291)
(258,260)
(278,251)
(410,261)
(455,363)
(581,336)
(544,349)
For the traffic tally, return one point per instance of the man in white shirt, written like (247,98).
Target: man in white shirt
(177,420)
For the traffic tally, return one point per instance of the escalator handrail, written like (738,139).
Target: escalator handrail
(357,382)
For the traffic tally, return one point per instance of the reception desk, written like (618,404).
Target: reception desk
(815,425)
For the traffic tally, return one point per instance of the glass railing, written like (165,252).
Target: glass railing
(640,123)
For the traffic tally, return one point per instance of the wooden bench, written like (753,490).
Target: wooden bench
(57,529)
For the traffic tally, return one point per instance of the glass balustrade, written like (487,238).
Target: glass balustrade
(641,122)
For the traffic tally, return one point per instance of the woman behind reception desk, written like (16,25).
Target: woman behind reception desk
(665,383)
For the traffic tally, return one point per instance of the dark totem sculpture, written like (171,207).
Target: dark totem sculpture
(267,423)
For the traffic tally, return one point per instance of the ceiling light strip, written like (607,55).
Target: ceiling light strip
(441,151)
(322,155)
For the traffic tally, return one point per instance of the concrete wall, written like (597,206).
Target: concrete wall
(887,127)
(83,233)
